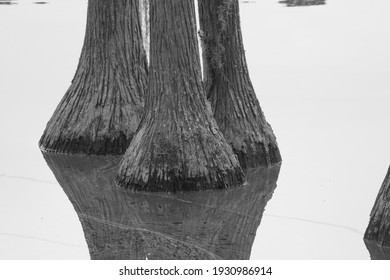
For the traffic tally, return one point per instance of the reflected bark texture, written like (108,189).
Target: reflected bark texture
(123,224)
(295,3)
(377,252)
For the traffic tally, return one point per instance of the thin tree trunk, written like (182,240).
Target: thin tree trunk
(178,145)
(229,88)
(378,229)
(294,3)
(119,224)
(102,108)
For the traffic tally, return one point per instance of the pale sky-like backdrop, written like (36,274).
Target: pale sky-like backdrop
(321,74)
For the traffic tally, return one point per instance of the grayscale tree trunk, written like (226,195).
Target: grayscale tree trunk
(103,106)
(178,145)
(378,230)
(229,88)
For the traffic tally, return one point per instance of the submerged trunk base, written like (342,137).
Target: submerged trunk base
(219,180)
(258,154)
(163,159)
(229,88)
(102,108)
(115,145)
(377,252)
(178,145)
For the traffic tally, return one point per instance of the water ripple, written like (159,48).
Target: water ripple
(41,239)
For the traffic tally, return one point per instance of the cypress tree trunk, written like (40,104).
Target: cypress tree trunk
(121,224)
(378,229)
(178,145)
(102,108)
(229,88)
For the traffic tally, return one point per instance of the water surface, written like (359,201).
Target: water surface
(122,224)
(320,73)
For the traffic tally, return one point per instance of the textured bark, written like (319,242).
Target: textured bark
(122,224)
(378,229)
(295,3)
(102,108)
(178,145)
(229,88)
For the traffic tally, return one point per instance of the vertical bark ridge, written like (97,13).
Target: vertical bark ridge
(101,110)
(145,24)
(229,88)
(178,145)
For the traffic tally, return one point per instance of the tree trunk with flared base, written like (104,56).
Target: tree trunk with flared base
(229,88)
(178,145)
(101,110)
(378,229)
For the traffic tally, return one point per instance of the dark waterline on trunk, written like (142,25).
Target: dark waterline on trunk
(101,110)
(178,145)
(229,88)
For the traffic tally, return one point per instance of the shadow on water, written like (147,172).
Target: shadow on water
(8,2)
(122,224)
(296,3)
(377,252)
(14,2)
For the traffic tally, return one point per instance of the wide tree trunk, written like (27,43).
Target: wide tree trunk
(178,145)
(122,224)
(101,110)
(229,88)
(378,229)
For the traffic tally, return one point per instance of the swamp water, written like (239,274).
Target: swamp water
(321,76)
